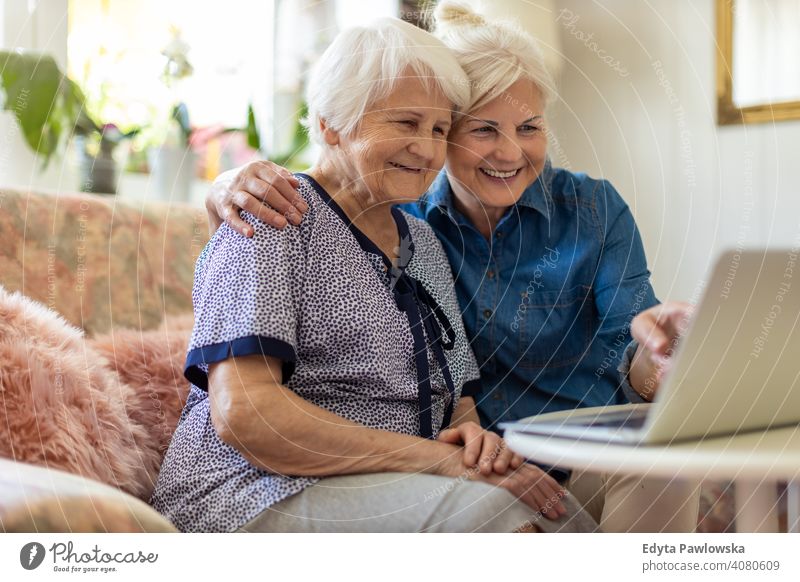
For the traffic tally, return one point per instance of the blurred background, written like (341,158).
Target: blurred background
(152,99)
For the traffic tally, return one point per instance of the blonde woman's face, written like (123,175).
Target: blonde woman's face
(497,151)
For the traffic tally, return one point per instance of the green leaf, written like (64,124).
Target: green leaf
(180,113)
(253,138)
(45,103)
(299,140)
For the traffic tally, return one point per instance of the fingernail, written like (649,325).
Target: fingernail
(295,218)
(301,205)
(280,222)
(247,232)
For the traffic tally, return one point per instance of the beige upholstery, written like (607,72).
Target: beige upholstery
(37,499)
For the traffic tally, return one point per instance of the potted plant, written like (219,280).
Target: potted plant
(98,167)
(47,105)
(50,108)
(171,160)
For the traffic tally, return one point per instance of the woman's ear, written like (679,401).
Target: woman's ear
(331,136)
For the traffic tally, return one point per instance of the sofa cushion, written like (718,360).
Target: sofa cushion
(62,405)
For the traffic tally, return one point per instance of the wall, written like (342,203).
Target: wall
(40,26)
(645,121)
(638,108)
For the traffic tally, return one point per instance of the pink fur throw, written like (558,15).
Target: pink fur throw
(86,406)
(153,362)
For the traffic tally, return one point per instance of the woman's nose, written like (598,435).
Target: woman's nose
(508,150)
(423,148)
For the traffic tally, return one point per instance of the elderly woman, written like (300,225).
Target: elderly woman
(326,370)
(550,268)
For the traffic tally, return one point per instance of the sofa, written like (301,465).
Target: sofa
(120,274)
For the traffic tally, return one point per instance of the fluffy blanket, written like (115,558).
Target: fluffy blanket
(104,408)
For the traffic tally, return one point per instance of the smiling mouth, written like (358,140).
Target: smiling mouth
(406,168)
(501,175)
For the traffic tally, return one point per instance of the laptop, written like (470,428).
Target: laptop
(736,369)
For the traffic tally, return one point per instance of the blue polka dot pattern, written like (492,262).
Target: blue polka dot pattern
(313,297)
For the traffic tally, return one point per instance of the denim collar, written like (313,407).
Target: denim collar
(536,196)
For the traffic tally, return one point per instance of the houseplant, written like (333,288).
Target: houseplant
(50,108)
(98,168)
(47,105)
(171,160)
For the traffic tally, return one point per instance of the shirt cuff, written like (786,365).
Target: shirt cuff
(624,369)
(240,347)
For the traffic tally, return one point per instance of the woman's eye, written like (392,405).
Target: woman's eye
(528,128)
(409,123)
(439,130)
(484,129)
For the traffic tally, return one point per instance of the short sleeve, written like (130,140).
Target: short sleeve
(245,298)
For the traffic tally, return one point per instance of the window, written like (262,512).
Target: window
(115,54)
(758,79)
(240,52)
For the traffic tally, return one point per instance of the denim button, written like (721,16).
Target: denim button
(487,313)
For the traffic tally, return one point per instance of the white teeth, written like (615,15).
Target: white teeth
(495,174)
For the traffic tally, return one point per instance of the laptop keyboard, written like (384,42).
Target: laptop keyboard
(633,422)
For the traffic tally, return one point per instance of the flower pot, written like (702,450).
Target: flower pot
(98,173)
(171,173)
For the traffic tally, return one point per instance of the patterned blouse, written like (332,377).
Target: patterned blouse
(377,343)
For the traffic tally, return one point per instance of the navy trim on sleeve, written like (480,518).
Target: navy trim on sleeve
(471,388)
(244,346)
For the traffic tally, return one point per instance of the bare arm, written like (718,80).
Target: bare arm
(658,331)
(644,375)
(280,432)
(217,191)
(465,412)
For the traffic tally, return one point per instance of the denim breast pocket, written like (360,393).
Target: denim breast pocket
(554,327)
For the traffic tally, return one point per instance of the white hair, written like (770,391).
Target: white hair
(363,65)
(495,54)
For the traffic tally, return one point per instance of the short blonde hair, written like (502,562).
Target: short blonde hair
(363,65)
(495,54)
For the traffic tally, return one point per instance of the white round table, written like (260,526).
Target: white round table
(755,461)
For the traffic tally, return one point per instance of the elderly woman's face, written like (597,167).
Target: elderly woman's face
(497,151)
(400,144)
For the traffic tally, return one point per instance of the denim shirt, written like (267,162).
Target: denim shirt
(547,302)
